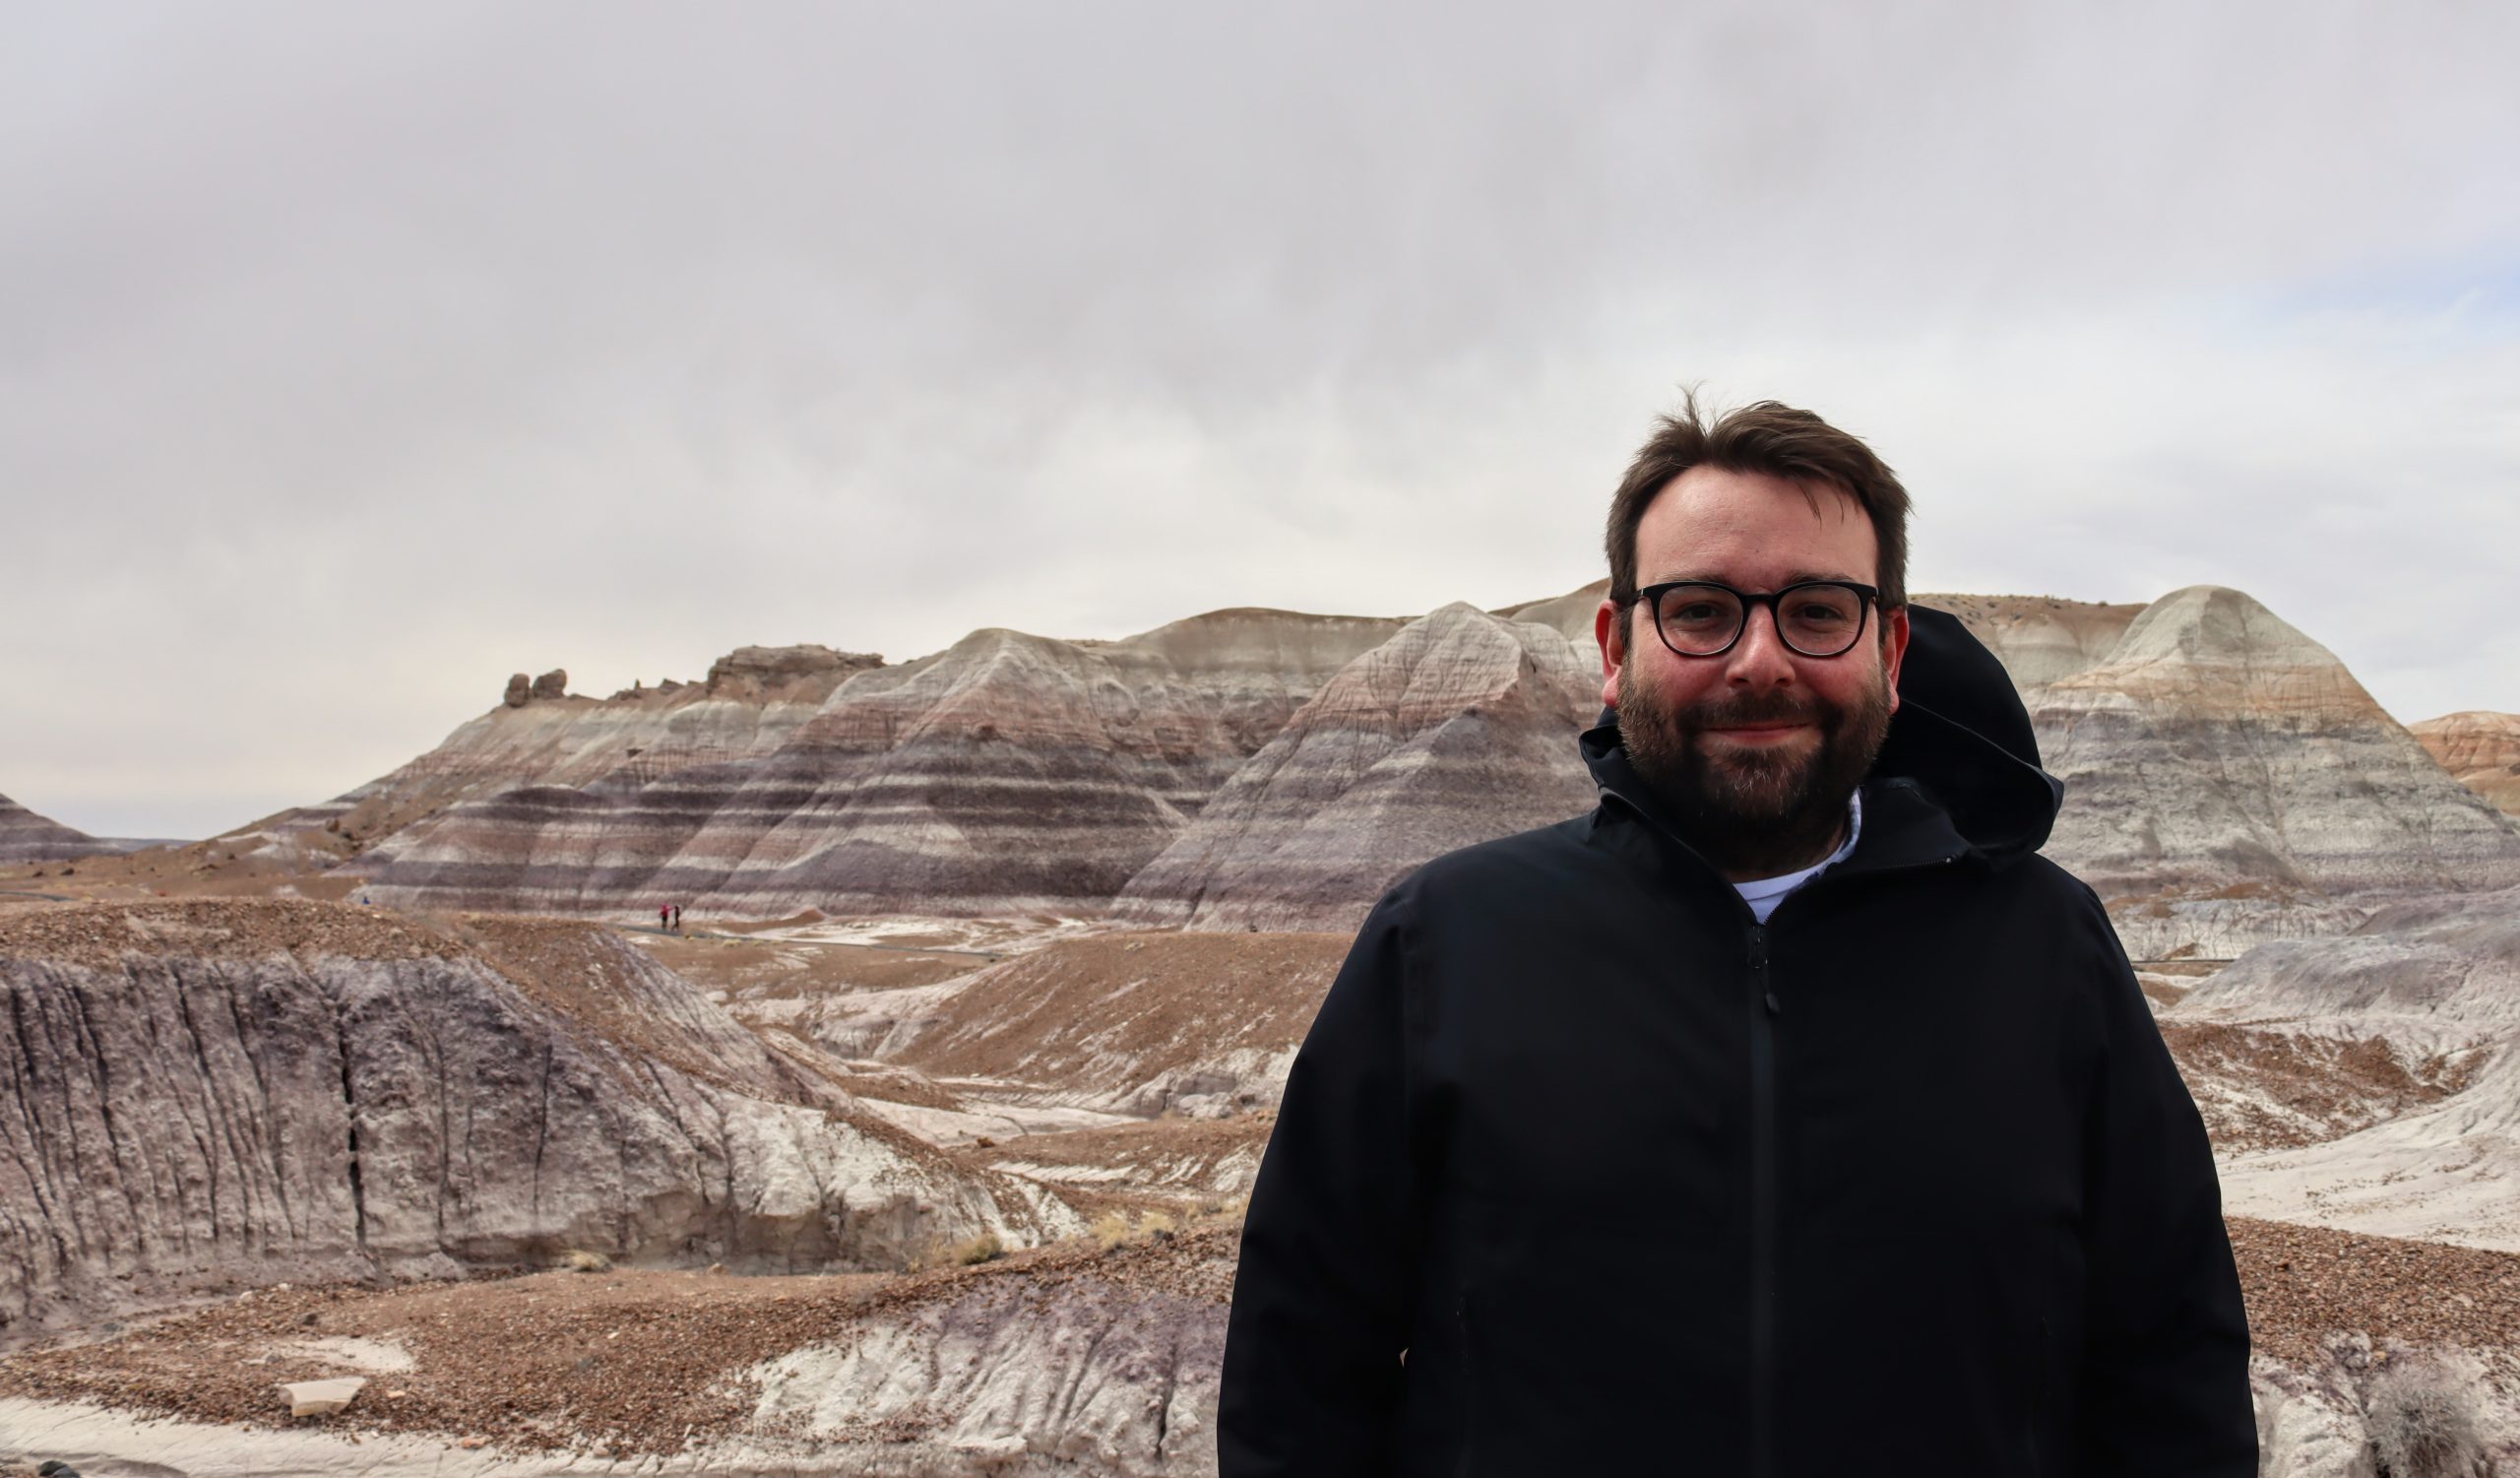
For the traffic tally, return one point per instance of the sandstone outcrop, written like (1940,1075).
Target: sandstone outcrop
(551,686)
(25,837)
(205,1094)
(2482,750)
(2227,781)
(1460,728)
(1008,774)
(618,744)
(752,671)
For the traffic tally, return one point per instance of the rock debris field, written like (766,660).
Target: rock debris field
(629,1362)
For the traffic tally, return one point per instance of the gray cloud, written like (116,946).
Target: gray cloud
(353,359)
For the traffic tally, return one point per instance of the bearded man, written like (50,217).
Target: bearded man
(1787,1115)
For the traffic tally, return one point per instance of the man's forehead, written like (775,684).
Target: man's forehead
(1713,523)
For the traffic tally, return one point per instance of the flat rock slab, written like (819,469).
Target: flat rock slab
(321,1397)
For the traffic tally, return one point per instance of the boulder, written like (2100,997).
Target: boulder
(520,689)
(553,684)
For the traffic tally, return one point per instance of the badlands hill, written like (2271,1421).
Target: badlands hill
(2482,750)
(1008,773)
(25,837)
(2228,780)
(1460,728)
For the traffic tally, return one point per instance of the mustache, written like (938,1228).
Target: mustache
(1753,708)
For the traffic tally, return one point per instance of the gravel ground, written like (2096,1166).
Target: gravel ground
(636,1361)
(2305,1283)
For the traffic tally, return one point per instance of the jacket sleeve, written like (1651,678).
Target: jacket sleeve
(2164,1378)
(1312,1371)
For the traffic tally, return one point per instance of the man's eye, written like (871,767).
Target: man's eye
(1819,614)
(1697,612)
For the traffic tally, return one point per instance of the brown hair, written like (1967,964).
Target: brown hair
(1772,438)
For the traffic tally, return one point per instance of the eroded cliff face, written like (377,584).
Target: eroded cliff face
(195,1095)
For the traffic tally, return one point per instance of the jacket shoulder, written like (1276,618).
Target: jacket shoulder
(1555,854)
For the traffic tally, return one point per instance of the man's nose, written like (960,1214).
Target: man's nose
(1760,659)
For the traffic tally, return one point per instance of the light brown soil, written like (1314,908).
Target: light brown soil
(1157,1148)
(2345,1084)
(1154,1001)
(783,970)
(212,868)
(100,934)
(639,1360)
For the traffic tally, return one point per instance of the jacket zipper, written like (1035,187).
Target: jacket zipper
(2038,1393)
(1763,1007)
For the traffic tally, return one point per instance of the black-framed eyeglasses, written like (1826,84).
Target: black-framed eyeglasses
(1704,618)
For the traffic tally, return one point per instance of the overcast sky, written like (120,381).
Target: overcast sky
(353,359)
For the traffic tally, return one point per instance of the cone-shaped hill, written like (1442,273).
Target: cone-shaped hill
(2227,781)
(1458,728)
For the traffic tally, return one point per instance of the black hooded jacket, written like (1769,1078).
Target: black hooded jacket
(1902,1182)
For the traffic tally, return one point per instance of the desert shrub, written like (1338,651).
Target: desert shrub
(1109,1230)
(985,1248)
(580,1261)
(2423,1421)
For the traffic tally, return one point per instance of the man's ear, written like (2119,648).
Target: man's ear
(1893,647)
(1611,632)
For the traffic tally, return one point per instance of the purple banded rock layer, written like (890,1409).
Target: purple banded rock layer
(1008,774)
(25,837)
(753,699)
(2482,750)
(1460,728)
(2227,781)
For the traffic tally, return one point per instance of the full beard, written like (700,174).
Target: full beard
(1753,812)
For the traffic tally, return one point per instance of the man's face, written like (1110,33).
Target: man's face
(1757,749)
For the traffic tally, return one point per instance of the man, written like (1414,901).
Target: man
(1754,1123)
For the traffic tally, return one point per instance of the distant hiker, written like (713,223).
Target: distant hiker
(665,916)
(678,918)
(1788,1114)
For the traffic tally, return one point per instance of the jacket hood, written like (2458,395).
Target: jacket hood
(1961,737)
